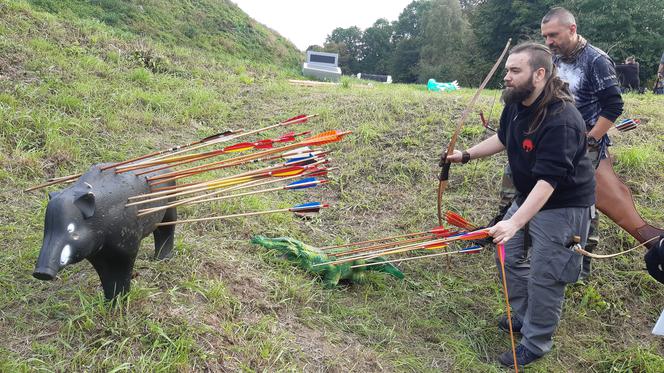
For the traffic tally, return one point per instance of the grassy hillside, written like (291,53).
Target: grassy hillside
(76,91)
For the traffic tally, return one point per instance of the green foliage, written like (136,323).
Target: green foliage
(347,42)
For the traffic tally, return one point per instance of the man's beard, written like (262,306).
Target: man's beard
(513,95)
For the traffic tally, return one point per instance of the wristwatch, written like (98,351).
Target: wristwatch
(465,157)
(592,142)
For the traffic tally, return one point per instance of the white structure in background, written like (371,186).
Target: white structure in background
(322,65)
(375,77)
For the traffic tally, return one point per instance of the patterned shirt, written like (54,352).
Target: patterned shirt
(592,72)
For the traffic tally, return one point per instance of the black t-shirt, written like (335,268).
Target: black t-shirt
(555,153)
(628,75)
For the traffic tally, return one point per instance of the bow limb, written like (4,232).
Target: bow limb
(444,163)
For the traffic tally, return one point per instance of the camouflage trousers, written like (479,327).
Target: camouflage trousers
(508,193)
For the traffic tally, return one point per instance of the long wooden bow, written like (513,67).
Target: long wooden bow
(444,163)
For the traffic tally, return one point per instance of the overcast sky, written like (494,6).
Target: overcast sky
(309,22)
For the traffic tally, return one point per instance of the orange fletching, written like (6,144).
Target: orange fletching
(325,138)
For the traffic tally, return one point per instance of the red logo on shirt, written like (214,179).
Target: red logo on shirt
(527,145)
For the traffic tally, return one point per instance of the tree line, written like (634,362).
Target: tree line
(460,39)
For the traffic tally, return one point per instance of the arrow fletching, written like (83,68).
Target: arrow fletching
(318,172)
(456,220)
(435,246)
(501,253)
(238,147)
(478,235)
(309,207)
(309,159)
(471,250)
(325,137)
(287,171)
(305,183)
(302,118)
(627,125)
(264,144)
(214,137)
(442,232)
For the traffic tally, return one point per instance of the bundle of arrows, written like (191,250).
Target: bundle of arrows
(300,164)
(437,238)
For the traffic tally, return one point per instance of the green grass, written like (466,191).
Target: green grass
(95,86)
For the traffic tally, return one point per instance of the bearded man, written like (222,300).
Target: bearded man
(545,139)
(592,80)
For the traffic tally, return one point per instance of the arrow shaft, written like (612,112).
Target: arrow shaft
(501,248)
(223,217)
(381,246)
(409,247)
(288,122)
(399,260)
(358,243)
(195,199)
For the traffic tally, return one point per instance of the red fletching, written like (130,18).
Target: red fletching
(302,118)
(264,144)
(457,221)
(442,232)
(317,172)
(239,147)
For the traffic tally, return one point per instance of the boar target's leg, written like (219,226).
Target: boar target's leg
(114,269)
(163,236)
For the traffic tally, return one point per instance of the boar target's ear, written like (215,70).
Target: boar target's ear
(52,195)
(86,203)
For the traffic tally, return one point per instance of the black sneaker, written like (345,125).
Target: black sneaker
(505,326)
(523,357)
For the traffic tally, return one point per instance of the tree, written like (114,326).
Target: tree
(446,44)
(348,43)
(407,40)
(377,47)
(315,48)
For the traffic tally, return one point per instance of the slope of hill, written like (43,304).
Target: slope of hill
(219,27)
(75,91)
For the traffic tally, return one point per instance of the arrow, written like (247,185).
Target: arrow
(501,259)
(302,118)
(625,125)
(305,183)
(317,159)
(441,233)
(219,137)
(175,175)
(173,161)
(468,250)
(303,208)
(310,166)
(223,182)
(320,139)
(435,231)
(313,172)
(482,233)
